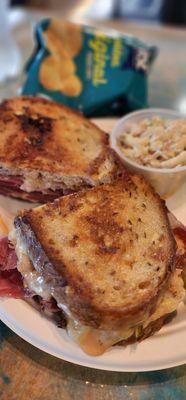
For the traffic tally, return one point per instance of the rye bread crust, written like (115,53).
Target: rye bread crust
(38,135)
(86,299)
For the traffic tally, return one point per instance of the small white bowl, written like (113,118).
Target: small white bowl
(166,181)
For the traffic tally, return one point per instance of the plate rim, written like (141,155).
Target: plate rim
(74,359)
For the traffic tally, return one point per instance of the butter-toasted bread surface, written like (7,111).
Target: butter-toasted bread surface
(108,250)
(40,135)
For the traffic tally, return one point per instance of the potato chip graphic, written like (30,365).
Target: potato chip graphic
(67,67)
(53,44)
(71,86)
(49,73)
(72,60)
(69,35)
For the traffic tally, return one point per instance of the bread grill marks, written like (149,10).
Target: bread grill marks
(89,275)
(49,146)
(35,128)
(52,138)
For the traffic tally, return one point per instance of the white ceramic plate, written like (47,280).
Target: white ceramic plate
(163,350)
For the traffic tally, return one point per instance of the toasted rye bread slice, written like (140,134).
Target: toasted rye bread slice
(108,251)
(46,142)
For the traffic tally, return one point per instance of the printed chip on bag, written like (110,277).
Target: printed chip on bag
(96,72)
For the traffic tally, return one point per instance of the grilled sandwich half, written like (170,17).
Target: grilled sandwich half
(47,150)
(106,256)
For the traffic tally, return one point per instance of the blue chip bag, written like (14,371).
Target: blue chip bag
(94,71)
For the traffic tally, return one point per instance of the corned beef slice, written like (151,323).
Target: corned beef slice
(11,283)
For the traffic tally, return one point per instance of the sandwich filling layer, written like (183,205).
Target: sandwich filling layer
(95,341)
(107,258)
(36,188)
(46,147)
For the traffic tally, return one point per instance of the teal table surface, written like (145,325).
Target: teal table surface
(27,373)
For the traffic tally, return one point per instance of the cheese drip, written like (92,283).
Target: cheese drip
(95,341)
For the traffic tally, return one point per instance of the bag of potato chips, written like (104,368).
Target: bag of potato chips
(96,72)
